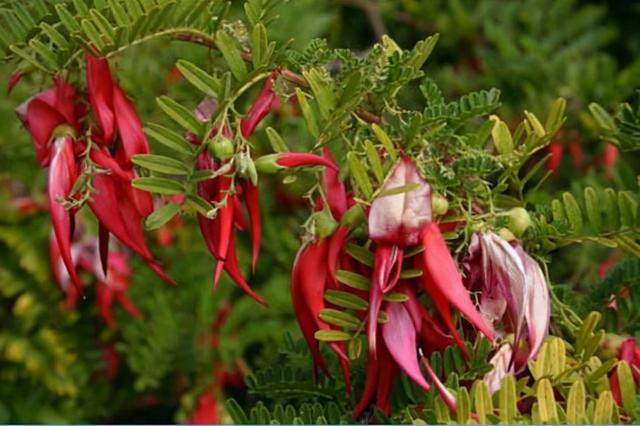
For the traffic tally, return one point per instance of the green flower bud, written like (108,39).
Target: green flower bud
(519,220)
(439,205)
(221,148)
(506,234)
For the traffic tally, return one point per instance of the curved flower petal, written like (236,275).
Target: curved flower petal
(399,335)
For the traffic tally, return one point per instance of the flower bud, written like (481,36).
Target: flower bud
(519,220)
(506,234)
(268,164)
(439,205)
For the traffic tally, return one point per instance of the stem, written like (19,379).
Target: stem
(200,38)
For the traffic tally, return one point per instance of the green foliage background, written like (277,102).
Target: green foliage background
(52,366)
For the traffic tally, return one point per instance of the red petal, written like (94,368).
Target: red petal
(100,86)
(14,78)
(383,264)
(370,385)
(298,159)
(233,269)
(125,223)
(334,189)
(252,200)
(399,335)
(103,247)
(336,242)
(446,396)
(555,149)
(443,275)
(388,373)
(260,108)
(224,220)
(41,120)
(129,128)
(305,319)
(62,176)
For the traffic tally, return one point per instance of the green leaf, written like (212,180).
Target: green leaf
(501,136)
(103,25)
(482,400)
(92,34)
(346,300)
(339,318)
(538,129)
(332,336)
(322,91)
(374,161)
(611,203)
(180,115)
(546,402)
(158,185)
(199,204)
(160,164)
(628,209)
(236,412)
(54,35)
(259,45)
(604,119)
(556,115)
(307,113)
(592,207)
(227,46)
(399,190)
(361,254)
(603,413)
(353,279)
(276,141)
(385,140)
(359,174)
(28,57)
(573,212)
(67,19)
(463,405)
(507,399)
(407,274)
(199,78)
(576,404)
(627,387)
(422,50)
(169,138)
(395,296)
(161,216)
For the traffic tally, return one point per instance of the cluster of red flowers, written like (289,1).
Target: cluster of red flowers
(402,231)
(57,120)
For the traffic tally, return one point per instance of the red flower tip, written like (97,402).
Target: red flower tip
(14,79)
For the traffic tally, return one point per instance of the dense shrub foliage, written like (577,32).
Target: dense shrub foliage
(348,211)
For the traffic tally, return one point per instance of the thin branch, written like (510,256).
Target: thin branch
(288,75)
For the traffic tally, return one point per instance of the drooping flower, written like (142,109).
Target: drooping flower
(52,117)
(119,128)
(629,352)
(512,289)
(395,221)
